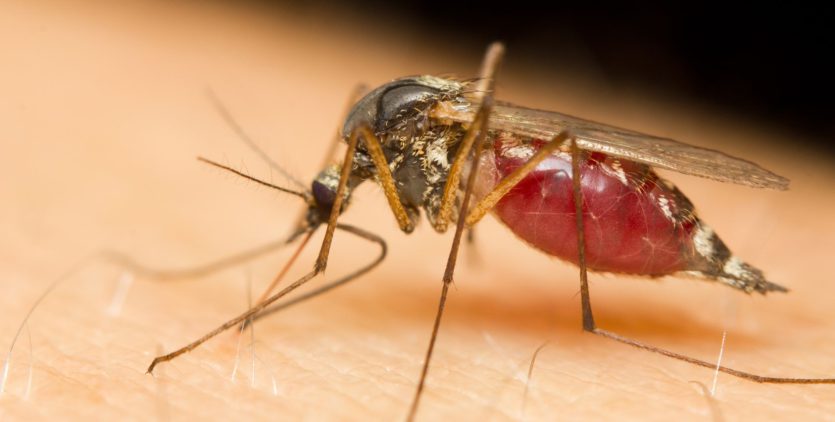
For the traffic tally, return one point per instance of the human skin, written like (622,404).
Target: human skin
(102,113)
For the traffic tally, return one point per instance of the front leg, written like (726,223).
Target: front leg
(477,132)
(375,150)
(321,264)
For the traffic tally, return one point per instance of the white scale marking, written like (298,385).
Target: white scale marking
(436,152)
(620,174)
(703,241)
(522,152)
(664,203)
(734,266)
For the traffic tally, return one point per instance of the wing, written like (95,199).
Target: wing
(635,146)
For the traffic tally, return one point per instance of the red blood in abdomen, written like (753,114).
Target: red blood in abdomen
(634,223)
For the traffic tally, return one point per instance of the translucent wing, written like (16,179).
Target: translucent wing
(635,146)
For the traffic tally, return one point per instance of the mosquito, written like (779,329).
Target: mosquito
(582,191)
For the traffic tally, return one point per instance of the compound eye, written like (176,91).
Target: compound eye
(401,100)
(323,196)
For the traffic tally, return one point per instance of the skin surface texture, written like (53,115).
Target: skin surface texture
(102,113)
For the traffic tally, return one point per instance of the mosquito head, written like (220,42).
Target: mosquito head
(397,102)
(395,106)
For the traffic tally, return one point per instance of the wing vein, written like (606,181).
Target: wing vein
(631,145)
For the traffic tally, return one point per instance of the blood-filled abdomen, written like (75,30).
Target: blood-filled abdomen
(634,221)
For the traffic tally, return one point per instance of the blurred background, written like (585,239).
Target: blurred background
(765,63)
(103,109)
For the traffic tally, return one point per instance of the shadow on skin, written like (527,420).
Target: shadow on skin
(529,314)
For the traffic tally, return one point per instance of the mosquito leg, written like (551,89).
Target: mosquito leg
(238,129)
(355,95)
(277,279)
(321,261)
(286,267)
(262,308)
(476,134)
(358,91)
(234,321)
(508,182)
(454,175)
(375,150)
(347,164)
(588,317)
(223,111)
(485,85)
(386,181)
(336,283)
(453,256)
(585,303)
